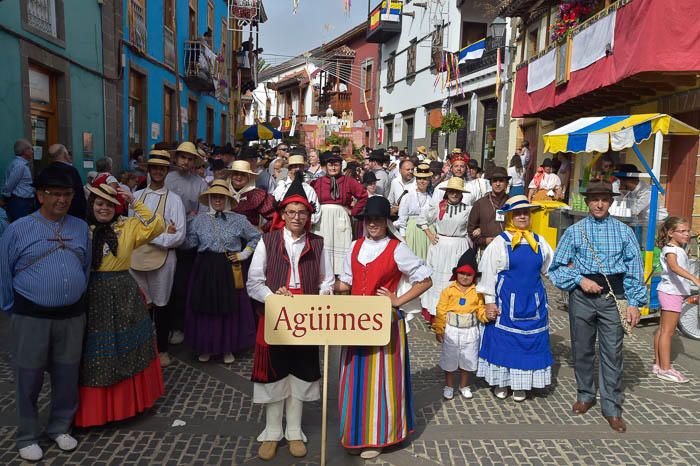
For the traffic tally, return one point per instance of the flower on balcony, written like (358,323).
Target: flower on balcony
(571,14)
(223,83)
(220,58)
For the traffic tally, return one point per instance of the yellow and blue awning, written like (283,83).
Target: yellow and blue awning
(600,134)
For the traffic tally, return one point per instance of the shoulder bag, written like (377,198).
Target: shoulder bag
(621,304)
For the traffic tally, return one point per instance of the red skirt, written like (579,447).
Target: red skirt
(100,405)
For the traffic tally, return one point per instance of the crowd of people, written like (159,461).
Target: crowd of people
(102,278)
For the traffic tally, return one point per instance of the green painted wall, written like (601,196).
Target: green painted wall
(11,114)
(83,45)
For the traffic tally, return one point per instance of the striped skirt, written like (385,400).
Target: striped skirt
(376,408)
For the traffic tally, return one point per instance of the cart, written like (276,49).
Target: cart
(598,135)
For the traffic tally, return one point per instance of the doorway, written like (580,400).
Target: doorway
(42,97)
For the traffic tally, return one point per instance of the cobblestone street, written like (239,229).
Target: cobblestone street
(221,423)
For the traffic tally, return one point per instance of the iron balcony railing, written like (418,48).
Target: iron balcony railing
(41,14)
(487,60)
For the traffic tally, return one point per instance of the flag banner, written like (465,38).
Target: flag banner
(541,71)
(472,51)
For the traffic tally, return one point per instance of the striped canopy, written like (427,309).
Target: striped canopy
(599,134)
(259,132)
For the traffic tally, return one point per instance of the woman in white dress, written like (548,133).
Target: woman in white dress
(410,208)
(449,218)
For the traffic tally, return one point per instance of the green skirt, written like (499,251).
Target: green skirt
(416,240)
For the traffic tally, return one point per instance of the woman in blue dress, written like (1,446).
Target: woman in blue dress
(515,349)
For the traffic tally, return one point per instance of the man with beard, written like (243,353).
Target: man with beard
(153,264)
(485,223)
(187,184)
(458,168)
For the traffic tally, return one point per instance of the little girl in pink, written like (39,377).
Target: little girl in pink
(673,290)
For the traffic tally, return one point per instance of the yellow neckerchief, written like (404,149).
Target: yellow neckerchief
(519,234)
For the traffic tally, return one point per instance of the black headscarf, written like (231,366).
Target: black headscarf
(102,234)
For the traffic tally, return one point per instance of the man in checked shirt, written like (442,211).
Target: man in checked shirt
(596,246)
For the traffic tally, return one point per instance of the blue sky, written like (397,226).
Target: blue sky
(316,22)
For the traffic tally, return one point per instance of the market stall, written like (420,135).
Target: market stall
(594,136)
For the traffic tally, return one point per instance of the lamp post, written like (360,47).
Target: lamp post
(498,27)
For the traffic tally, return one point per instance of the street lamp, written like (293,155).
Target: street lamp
(498,27)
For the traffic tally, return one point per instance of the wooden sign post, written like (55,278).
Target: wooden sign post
(327,320)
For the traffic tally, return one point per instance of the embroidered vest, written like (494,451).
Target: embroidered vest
(279,265)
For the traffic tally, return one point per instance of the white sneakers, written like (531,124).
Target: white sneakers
(672,375)
(501,392)
(176,337)
(448,393)
(519,395)
(34,452)
(66,442)
(31,453)
(229,358)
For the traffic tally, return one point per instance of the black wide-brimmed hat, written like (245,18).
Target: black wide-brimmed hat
(468,259)
(599,187)
(329,156)
(52,177)
(377,206)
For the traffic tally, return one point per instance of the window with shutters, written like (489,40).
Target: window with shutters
(192,20)
(367,79)
(168,34)
(390,70)
(210,126)
(411,59)
(210,19)
(169,115)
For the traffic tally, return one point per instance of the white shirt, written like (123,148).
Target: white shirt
(515,179)
(550,181)
(671,283)
(525,156)
(258,290)
(157,284)
(477,188)
(453,223)
(411,206)
(398,186)
(283,186)
(494,259)
(408,263)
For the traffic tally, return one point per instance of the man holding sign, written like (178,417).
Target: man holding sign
(375,403)
(288,261)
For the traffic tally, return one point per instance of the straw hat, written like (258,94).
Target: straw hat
(422,150)
(217,187)
(296,160)
(455,183)
(188,148)
(422,171)
(241,166)
(159,157)
(456,150)
(106,192)
(518,202)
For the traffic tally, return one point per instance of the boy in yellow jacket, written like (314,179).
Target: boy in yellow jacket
(456,325)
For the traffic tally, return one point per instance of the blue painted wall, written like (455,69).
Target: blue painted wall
(158,74)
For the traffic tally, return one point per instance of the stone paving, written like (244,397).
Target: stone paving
(221,423)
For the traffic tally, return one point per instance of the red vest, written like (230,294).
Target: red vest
(381,272)
(279,265)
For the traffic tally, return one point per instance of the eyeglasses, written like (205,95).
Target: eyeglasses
(296,213)
(63,194)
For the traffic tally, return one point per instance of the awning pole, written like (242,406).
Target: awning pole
(654,202)
(652,173)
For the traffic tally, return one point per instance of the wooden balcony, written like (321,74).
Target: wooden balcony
(339,101)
